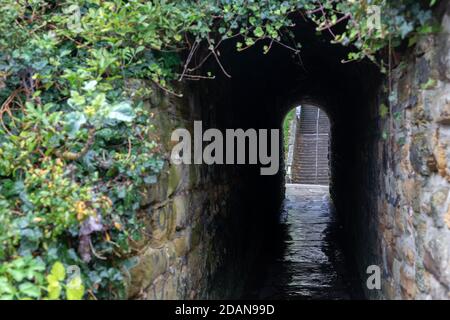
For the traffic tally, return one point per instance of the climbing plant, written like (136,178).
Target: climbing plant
(287,123)
(76,142)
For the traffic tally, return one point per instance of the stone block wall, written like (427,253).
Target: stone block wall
(400,219)
(203,224)
(174,259)
(415,209)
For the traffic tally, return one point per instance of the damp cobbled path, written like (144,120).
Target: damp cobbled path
(307,262)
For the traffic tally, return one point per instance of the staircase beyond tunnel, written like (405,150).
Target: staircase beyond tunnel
(310,161)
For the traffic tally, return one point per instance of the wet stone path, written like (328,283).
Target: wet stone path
(304,261)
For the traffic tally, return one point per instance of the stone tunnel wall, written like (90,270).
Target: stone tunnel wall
(203,223)
(397,210)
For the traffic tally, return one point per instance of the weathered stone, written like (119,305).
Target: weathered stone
(404,88)
(407,251)
(389,290)
(444,49)
(197,259)
(151,264)
(422,70)
(419,154)
(436,290)
(180,209)
(194,176)
(441,160)
(170,288)
(422,282)
(170,253)
(396,271)
(447,217)
(438,200)
(400,220)
(175,177)
(181,246)
(158,287)
(389,259)
(432,163)
(407,282)
(444,115)
(196,235)
(160,223)
(385,218)
(437,259)
(411,192)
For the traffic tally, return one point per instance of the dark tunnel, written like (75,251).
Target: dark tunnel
(261,90)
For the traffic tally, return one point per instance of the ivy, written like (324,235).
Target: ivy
(76,144)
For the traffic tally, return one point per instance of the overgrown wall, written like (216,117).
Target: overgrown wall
(398,212)
(203,223)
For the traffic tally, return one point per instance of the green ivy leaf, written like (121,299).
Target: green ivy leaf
(17,274)
(75,289)
(30,290)
(249,42)
(121,112)
(431,83)
(54,290)
(74,121)
(259,32)
(58,271)
(76,99)
(6,289)
(90,85)
(405,29)
(383,111)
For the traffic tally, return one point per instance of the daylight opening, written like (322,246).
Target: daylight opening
(307,141)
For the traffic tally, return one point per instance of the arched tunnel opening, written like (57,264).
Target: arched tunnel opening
(262,88)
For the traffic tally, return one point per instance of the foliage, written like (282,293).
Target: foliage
(76,142)
(74,286)
(287,122)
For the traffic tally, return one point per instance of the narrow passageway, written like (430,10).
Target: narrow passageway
(303,257)
(305,261)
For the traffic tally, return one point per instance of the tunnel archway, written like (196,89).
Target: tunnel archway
(261,90)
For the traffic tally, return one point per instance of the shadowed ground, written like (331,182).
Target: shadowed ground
(305,261)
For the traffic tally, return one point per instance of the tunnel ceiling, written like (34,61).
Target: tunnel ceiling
(316,74)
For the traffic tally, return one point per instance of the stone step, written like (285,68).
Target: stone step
(313,177)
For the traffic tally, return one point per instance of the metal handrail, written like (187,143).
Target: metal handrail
(317,143)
